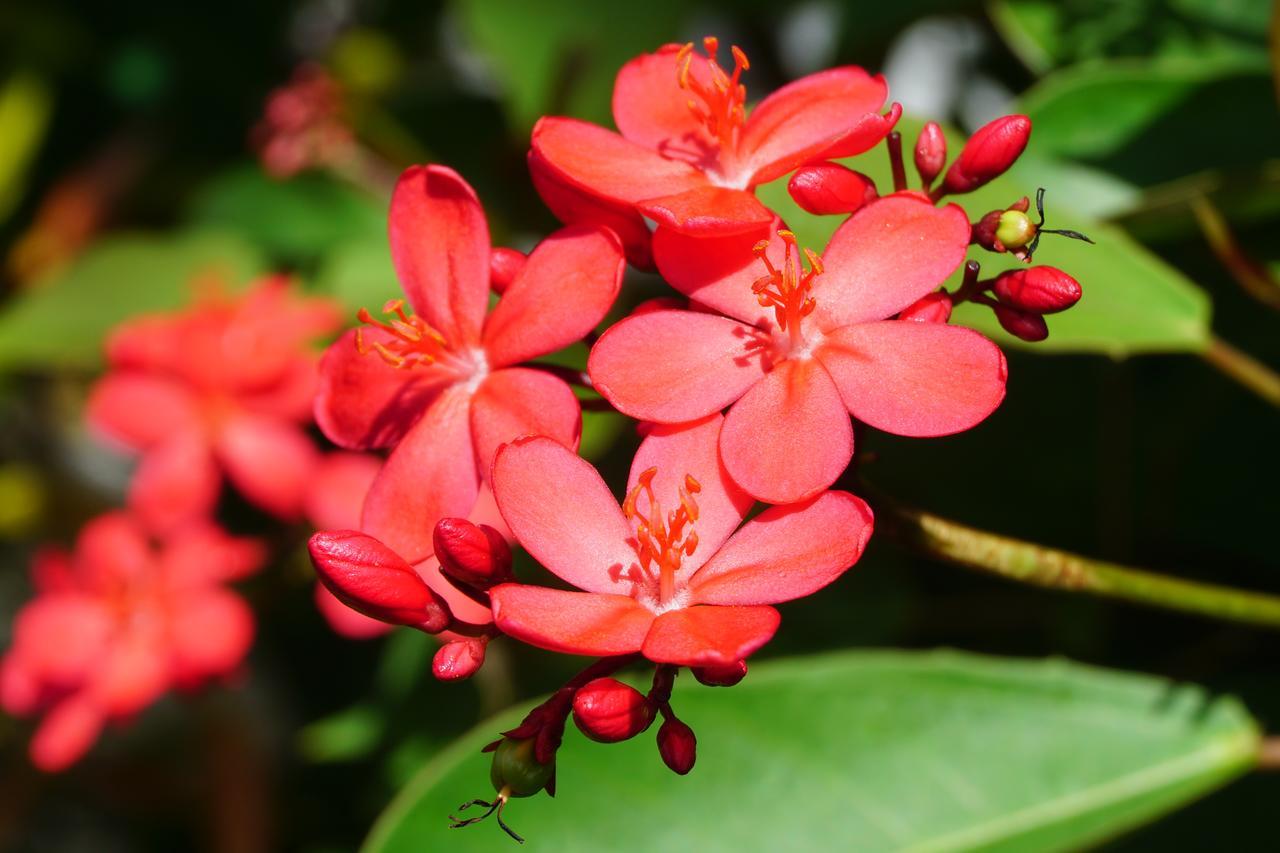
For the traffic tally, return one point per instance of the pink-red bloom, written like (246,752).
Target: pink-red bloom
(796,351)
(665,574)
(443,384)
(688,154)
(222,387)
(120,621)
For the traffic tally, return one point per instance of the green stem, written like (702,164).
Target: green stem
(1245,369)
(1027,562)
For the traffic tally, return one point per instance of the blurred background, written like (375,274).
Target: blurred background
(134,155)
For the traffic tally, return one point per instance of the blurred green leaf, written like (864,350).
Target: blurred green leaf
(25,106)
(60,322)
(562,58)
(295,220)
(866,751)
(1133,302)
(345,736)
(359,274)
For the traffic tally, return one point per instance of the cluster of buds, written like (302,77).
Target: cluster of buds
(303,125)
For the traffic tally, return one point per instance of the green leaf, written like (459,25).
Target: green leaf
(358,273)
(865,751)
(25,107)
(295,220)
(1133,302)
(563,59)
(348,735)
(61,321)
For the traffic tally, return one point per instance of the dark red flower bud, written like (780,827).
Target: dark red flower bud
(934,308)
(721,676)
(931,152)
(829,188)
(606,710)
(515,771)
(474,554)
(369,577)
(458,660)
(1039,290)
(677,745)
(504,265)
(1022,324)
(988,153)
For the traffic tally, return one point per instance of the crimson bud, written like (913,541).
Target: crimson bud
(606,710)
(677,745)
(369,577)
(459,659)
(931,152)
(504,265)
(1022,324)
(474,554)
(934,308)
(721,676)
(988,153)
(829,188)
(1040,290)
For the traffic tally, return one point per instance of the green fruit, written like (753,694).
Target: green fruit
(1015,229)
(517,771)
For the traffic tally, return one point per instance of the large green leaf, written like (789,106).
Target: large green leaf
(865,751)
(61,322)
(1133,302)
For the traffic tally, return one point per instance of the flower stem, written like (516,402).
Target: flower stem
(894,141)
(1027,562)
(1245,369)
(1252,276)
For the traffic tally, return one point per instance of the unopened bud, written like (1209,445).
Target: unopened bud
(1039,290)
(458,659)
(1022,324)
(934,308)
(988,153)
(504,265)
(608,711)
(1014,229)
(824,189)
(677,745)
(516,772)
(931,152)
(721,676)
(369,577)
(475,554)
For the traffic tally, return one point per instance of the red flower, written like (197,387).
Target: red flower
(679,586)
(119,622)
(688,155)
(443,385)
(224,386)
(798,351)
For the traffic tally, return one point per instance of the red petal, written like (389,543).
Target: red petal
(363,403)
(291,397)
(789,437)
(692,449)
(704,635)
(139,410)
(269,461)
(440,248)
(920,379)
(112,551)
(574,206)
(522,401)
(60,638)
(716,271)
(576,623)
(176,483)
(65,734)
(203,554)
(675,366)
(650,108)
(710,211)
(787,552)
(463,607)
(136,670)
(834,113)
(565,288)
(365,574)
(211,635)
(345,621)
(563,513)
(430,475)
(336,492)
(885,257)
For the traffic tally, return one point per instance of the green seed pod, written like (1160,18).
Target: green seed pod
(516,771)
(1015,229)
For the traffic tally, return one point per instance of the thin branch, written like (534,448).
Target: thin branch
(1269,753)
(1245,369)
(1252,276)
(1027,562)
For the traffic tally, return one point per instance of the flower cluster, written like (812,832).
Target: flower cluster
(745,385)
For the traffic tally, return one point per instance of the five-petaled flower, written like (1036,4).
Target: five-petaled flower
(688,155)
(795,352)
(443,385)
(119,622)
(665,574)
(226,384)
